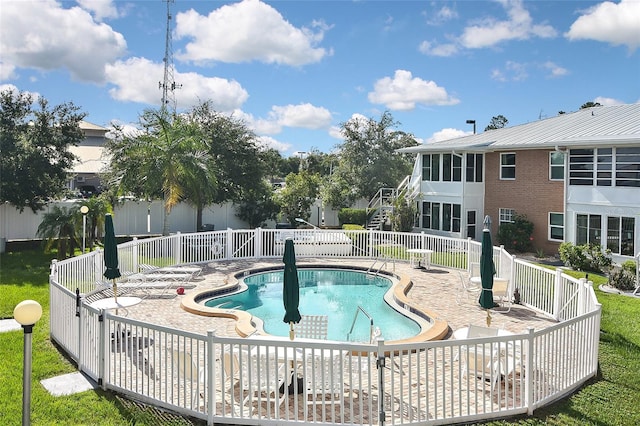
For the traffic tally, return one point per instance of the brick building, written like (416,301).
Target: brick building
(575,176)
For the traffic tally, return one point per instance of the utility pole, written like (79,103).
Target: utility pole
(168,85)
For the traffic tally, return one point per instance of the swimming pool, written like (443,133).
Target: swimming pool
(333,292)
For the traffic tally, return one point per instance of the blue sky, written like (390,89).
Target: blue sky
(294,70)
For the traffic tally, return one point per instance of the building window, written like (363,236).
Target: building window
(588,229)
(620,235)
(581,167)
(451,168)
(556,165)
(506,215)
(471,224)
(628,166)
(474,168)
(426,167)
(426,215)
(603,166)
(431,167)
(556,226)
(508,166)
(450,219)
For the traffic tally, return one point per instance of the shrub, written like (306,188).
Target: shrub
(516,236)
(354,216)
(622,279)
(586,257)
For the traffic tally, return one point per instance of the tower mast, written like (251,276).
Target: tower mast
(168,85)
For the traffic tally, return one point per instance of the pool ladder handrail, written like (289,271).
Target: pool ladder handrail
(385,259)
(353,323)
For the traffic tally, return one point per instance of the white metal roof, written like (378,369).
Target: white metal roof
(611,125)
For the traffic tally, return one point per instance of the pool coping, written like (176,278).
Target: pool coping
(397,297)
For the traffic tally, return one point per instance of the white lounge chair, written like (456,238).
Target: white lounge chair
(468,288)
(194,271)
(188,375)
(323,376)
(261,376)
(502,294)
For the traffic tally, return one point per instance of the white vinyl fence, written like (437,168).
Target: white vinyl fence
(274,381)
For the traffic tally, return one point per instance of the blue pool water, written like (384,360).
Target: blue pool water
(333,292)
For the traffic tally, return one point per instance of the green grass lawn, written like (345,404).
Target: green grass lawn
(612,398)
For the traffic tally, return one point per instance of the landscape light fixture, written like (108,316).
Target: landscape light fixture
(474,125)
(84,210)
(27,313)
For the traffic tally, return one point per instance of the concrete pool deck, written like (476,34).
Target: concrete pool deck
(435,290)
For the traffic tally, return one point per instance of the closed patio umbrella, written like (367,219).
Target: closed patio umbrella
(487,269)
(111,271)
(291,287)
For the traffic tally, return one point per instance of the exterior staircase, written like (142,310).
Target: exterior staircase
(382,205)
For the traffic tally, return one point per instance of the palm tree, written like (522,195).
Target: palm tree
(59,227)
(98,207)
(167,160)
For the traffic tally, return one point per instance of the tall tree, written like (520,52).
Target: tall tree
(258,204)
(300,192)
(497,122)
(34,148)
(368,160)
(234,157)
(167,158)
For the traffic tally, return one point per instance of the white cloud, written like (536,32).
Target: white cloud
(554,69)
(615,23)
(101,9)
(303,115)
(248,31)
(336,132)
(434,49)
(269,142)
(7,71)
(519,26)
(448,133)
(16,90)
(513,71)
(607,101)
(28,39)
(403,92)
(134,82)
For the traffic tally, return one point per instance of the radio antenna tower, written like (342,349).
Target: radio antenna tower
(168,85)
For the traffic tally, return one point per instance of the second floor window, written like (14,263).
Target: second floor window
(605,167)
(556,165)
(431,167)
(451,168)
(474,168)
(508,166)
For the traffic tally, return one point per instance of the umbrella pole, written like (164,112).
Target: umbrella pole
(115,294)
(291,332)
(488,318)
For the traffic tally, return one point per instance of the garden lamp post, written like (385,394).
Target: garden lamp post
(27,313)
(84,210)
